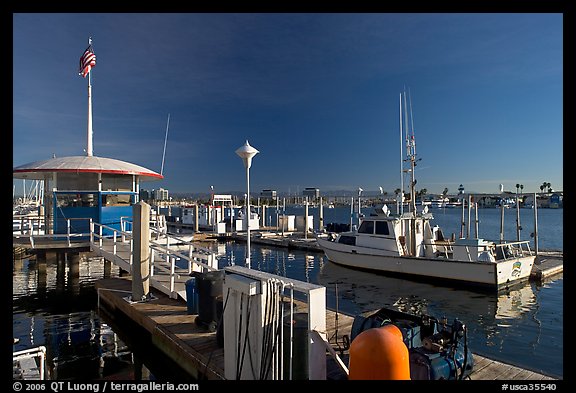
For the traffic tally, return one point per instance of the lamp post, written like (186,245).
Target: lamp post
(246,152)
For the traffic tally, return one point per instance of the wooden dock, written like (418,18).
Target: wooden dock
(176,334)
(547,264)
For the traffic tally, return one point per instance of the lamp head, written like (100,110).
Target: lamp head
(246,152)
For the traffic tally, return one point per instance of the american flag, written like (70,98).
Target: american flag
(87,61)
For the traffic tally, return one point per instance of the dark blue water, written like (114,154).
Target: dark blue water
(56,307)
(523,326)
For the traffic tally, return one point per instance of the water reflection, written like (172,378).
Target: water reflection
(509,326)
(53,305)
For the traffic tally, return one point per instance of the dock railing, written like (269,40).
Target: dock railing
(68,237)
(32,353)
(32,225)
(118,247)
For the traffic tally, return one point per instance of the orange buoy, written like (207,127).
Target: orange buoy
(379,353)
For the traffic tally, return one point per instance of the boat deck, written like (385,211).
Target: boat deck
(177,335)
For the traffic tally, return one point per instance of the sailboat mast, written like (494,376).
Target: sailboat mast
(165,140)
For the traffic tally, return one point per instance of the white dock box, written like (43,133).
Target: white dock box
(287,223)
(300,223)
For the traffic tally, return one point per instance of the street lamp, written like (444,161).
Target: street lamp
(246,152)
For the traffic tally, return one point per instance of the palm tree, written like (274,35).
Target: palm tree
(542,187)
(549,187)
(445,192)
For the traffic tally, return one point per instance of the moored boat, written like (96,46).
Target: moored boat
(408,244)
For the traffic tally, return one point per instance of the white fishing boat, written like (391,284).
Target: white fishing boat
(408,244)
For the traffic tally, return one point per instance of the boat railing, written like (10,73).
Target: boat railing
(512,249)
(32,353)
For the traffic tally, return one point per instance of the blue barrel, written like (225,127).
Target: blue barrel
(191,296)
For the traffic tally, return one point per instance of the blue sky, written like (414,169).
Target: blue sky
(317,94)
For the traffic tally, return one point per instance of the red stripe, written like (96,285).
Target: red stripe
(118,172)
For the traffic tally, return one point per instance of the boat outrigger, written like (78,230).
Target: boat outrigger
(408,244)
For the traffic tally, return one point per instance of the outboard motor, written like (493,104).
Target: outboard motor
(436,350)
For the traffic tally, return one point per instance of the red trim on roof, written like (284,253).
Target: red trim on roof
(118,172)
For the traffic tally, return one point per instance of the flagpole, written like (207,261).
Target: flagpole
(89,131)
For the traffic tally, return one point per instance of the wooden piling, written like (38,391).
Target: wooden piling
(141,258)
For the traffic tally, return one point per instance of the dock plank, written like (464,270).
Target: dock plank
(197,349)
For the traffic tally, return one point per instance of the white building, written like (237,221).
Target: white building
(161,194)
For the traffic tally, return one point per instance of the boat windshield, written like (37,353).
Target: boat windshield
(366,227)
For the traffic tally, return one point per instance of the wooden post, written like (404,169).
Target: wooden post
(517,217)
(73,271)
(476,219)
(141,253)
(196,218)
(535,225)
(306,219)
(351,211)
(320,217)
(469,207)
(283,215)
(501,220)
(463,223)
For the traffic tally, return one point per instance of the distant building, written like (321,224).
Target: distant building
(144,195)
(161,194)
(268,194)
(311,192)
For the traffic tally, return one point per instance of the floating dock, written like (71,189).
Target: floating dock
(176,334)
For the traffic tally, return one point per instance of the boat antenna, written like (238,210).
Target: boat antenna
(165,140)
(401,161)
(412,122)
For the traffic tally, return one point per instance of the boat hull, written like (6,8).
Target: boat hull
(497,275)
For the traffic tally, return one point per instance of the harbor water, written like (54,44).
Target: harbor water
(56,305)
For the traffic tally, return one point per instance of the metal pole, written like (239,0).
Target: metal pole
(359,210)
(535,224)
(248,216)
(89,131)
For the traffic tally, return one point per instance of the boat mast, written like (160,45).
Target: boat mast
(411,155)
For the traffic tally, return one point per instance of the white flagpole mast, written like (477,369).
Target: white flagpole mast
(89,131)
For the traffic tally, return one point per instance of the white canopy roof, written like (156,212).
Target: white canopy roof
(82,164)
